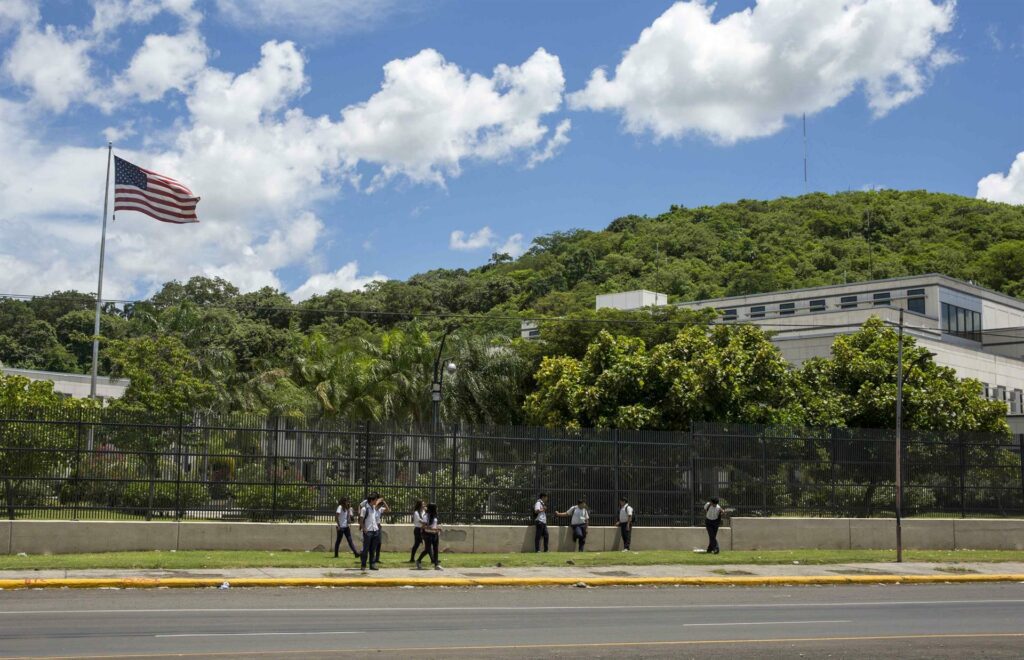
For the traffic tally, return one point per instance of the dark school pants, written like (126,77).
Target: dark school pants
(371,548)
(430,546)
(627,533)
(344,532)
(579,535)
(712,527)
(540,532)
(417,535)
(380,539)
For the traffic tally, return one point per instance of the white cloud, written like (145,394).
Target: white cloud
(163,62)
(346,278)
(118,133)
(513,246)
(1008,188)
(312,15)
(478,239)
(17,13)
(485,238)
(108,15)
(53,67)
(740,77)
(553,145)
(429,116)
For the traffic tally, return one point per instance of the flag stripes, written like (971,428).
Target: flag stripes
(156,195)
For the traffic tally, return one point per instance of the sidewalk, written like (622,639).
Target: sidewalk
(399,575)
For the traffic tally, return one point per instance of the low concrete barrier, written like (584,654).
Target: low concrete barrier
(61,536)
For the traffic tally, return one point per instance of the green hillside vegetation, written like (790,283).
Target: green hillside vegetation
(203,345)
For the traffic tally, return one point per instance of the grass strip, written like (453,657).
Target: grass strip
(196,559)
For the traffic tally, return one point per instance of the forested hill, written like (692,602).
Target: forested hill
(745,247)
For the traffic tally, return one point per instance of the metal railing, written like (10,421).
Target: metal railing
(115,465)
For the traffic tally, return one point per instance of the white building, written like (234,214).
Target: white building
(976,331)
(75,385)
(631,300)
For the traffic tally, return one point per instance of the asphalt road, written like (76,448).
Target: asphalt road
(928,621)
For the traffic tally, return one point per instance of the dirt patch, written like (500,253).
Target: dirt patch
(955,569)
(859,571)
(612,573)
(724,571)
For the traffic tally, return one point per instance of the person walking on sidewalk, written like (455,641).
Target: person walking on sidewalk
(369,523)
(381,508)
(625,522)
(579,520)
(540,522)
(431,538)
(712,521)
(343,516)
(418,517)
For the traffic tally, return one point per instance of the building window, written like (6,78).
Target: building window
(848,302)
(728,314)
(786,309)
(965,323)
(881,299)
(915,301)
(818,305)
(757,312)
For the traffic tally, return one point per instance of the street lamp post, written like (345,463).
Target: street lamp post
(435,400)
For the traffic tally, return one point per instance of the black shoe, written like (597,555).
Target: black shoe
(374,568)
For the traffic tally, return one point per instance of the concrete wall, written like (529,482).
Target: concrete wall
(56,536)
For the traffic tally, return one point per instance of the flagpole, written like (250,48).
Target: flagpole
(99,286)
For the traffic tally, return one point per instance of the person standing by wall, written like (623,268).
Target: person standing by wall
(431,538)
(344,516)
(625,522)
(417,528)
(540,522)
(712,521)
(380,509)
(579,521)
(369,524)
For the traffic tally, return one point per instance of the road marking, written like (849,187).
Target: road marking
(512,647)
(259,634)
(760,623)
(249,610)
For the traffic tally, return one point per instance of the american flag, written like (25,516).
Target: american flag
(156,195)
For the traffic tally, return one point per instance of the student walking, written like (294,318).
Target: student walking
(369,523)
(625,522)
(431,538)
(540,522)
(344,516)
(418,514)
(712,521)
(579,520)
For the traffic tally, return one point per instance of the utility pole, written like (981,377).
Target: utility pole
(899,444)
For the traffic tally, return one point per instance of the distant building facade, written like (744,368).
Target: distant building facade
(976,331)
(74,386)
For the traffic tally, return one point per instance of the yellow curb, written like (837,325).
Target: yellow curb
(194,583)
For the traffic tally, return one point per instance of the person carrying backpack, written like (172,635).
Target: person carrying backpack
(580,519)
(712,521)
(540,522)
(625,522)
(431,537)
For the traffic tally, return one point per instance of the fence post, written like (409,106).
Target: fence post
(366,458)
(1020,455)
(832,476)
(615,439)
(274,468)
(963,476)
(177,470)
(455,451)
(693,476)
(78,465)
(764,474)
(536,461)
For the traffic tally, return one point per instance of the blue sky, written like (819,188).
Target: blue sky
(243,100)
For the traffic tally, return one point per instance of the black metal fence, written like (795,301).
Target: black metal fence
(114,465)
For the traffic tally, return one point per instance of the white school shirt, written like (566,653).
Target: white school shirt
(418,519)
(712,511)
(371,519)
(432,526)
(625,513)
(542,516)
(579,516)
(342,516)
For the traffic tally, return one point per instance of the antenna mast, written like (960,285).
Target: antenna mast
(805,152)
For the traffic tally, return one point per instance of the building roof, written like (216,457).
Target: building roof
(937,278)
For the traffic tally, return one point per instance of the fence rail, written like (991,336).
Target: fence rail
(114,465)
